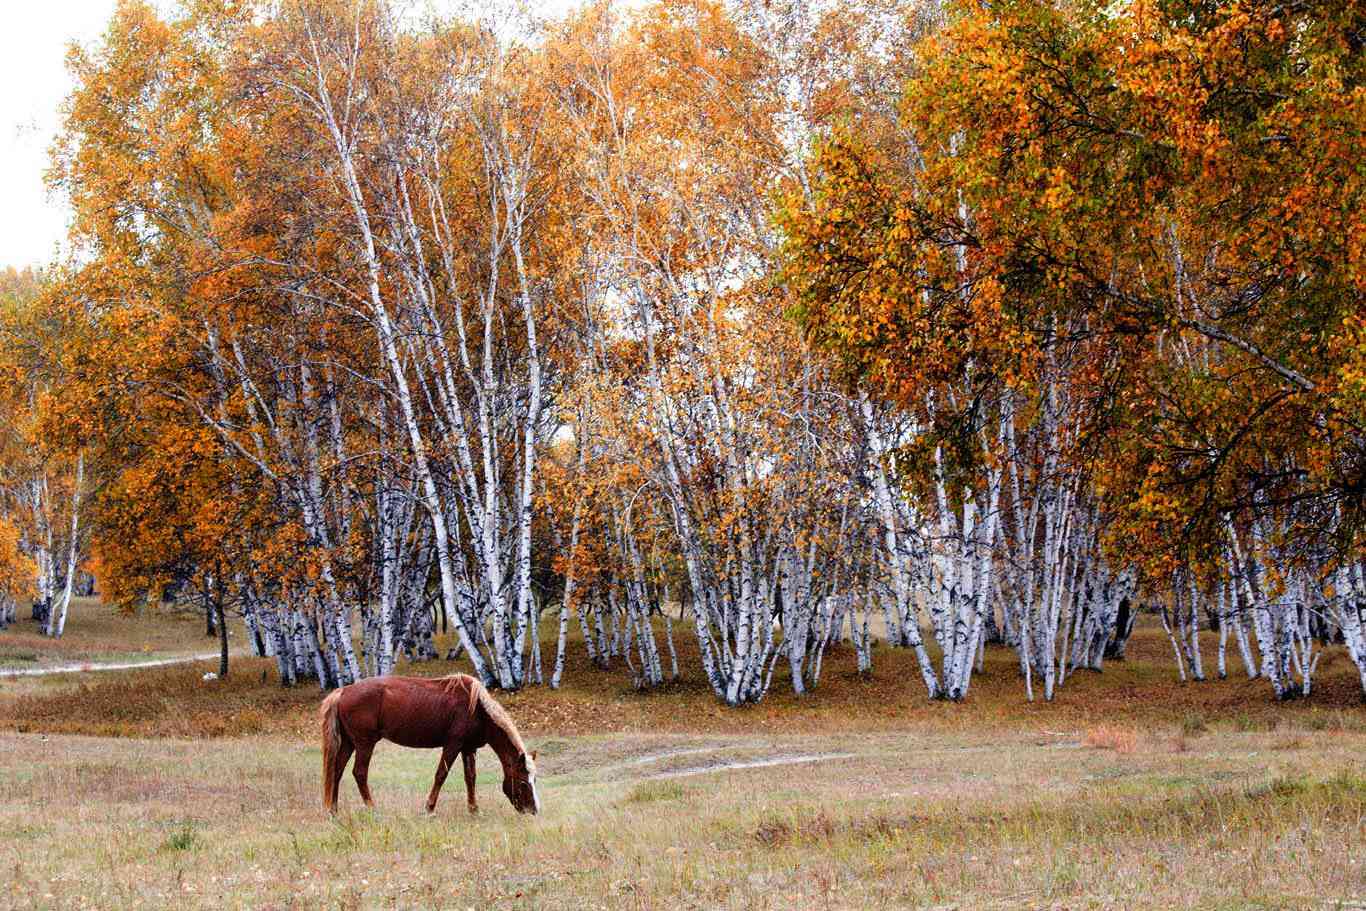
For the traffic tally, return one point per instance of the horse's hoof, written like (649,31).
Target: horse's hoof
(474,811)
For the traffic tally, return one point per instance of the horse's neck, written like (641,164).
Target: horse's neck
(499,740)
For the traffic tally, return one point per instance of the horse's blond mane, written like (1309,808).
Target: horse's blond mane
(456,682)
(480,696)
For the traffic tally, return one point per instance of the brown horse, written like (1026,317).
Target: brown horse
(456,714)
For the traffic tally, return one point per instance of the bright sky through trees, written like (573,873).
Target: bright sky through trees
(32,62)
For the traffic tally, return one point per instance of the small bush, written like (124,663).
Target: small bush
(182,838)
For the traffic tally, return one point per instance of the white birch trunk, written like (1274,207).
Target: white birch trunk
(57,617)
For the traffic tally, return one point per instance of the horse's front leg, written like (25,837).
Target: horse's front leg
(469,780)
(443,768)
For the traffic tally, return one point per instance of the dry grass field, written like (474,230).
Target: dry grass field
(156,789)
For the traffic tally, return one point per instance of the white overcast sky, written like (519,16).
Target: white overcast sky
(33,42)
(32,68)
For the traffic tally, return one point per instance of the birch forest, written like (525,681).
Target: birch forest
(704,336)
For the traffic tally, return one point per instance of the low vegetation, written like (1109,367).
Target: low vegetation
(1026,819)
(1210,795)
(459,317)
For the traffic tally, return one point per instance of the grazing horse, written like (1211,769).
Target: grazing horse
(456,714)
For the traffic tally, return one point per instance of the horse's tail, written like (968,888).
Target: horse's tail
(333,736)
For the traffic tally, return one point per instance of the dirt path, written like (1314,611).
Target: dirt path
(708,758)
(784,759)
(82,667)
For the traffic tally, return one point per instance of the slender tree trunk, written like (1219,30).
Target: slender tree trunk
(222,637)
(57,617)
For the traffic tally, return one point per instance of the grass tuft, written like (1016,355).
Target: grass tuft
(182,838)
(655,791)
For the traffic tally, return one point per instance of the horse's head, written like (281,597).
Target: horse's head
(519,784)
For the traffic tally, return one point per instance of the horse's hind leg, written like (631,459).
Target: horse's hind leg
(361,771)
(443,768)
(344,750)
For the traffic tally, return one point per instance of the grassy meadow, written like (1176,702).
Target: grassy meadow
(155,789)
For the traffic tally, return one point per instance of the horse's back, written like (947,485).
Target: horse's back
(410,711)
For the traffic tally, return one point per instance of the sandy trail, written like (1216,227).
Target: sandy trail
(82,667)
(787,759)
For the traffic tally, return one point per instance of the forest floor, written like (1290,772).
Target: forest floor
(154,788)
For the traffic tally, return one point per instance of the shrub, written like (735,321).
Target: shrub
(182,838)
